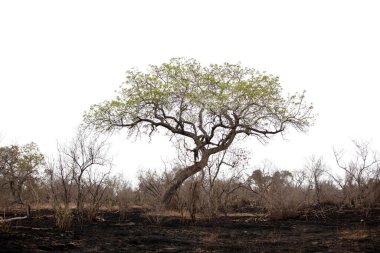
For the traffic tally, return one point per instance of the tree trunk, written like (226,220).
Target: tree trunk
(181,176)
(28,211)
(187,172)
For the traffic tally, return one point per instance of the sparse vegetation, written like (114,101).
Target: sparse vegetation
(205,110)
(227,192)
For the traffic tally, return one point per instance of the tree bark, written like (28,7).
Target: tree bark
(181,176)
(187,172)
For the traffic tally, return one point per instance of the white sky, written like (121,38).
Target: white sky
(59,57)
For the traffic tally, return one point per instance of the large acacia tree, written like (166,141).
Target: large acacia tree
(207,106)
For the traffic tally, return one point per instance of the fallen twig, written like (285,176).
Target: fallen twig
(12,219)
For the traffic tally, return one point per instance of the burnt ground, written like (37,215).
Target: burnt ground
(343,231)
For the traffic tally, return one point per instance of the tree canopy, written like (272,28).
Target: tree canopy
(207,105)
(19,165)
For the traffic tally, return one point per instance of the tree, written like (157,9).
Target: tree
(19,165)
(86,152)
(208,107)
(316,169)
(358,172)
(96,185)
(60,178)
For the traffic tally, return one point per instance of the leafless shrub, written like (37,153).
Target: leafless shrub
(151,187)
(283,199)
(220,180)
(60,179)
(125,197)
(374,189)
(95,185)
(277,192)
(361,174)
(316,169)
(61,185)
(330,193)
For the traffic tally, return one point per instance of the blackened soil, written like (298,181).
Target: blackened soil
(345,231)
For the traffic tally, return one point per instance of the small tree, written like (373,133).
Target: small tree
(60,178)
(259,183)
(79,170)
(316,169)
(358,172)
(280,193)
(19,165)
(208,106)
(96,185)
(151,184)
(125,195)
(85,152)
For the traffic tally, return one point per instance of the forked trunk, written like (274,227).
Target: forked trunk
(187,172)
(181,176)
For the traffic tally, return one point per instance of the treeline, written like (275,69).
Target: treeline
(226,186)
(77,183)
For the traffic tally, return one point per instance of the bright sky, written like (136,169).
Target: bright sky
(59,57)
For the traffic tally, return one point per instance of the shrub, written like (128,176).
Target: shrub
(63,218)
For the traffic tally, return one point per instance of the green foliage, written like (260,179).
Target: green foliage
(20,159)
(19,165)
(208,106)
(182,96)
(30,156)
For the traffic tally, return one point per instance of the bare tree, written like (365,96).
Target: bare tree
(358,171)
(80,169)
(86,151)
(96,185)
(61,181)
(60,177)
(316,169)
(125,195)
(151,186)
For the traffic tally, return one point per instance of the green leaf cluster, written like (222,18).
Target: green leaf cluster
(183,94)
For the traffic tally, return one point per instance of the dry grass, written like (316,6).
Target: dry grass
(354,235)
(41,206)
(63,218)
(186,215)
(169,213)
(244,215)
(50,206)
